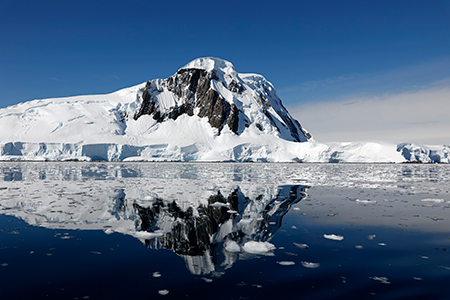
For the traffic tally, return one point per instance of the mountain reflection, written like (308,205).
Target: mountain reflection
(199,234)
(190,215)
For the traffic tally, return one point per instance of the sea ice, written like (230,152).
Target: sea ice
(219,204)
(232,246)
(301,246)
(384,280)
(310,265)
(163,292)
(147,235)
(433,200)
(258,247)
(286,263)
(366,201)
(334,237)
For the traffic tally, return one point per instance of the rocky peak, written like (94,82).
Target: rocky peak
(211,88)
(192,88)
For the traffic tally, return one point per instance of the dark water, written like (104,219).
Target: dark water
(224,231)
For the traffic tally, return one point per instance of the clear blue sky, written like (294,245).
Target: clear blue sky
(310,50)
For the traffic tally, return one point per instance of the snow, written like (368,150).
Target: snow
(102,127)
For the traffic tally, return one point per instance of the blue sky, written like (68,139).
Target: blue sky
(312,51)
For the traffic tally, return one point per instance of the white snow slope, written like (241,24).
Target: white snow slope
(106,127)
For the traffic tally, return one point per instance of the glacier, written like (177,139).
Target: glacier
(206,111)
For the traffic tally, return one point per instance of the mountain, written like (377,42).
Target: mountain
(206,111)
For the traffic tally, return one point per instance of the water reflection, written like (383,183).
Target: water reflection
(362,230)
(196,219)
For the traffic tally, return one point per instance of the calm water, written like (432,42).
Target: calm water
(224,231)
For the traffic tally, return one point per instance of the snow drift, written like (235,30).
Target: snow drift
(206,111)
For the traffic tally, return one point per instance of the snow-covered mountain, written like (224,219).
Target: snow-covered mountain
(206,111)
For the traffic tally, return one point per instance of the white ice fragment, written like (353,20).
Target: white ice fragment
(232,246)
(4,264)
(156,274)
(109,231)
(417,278)
(371,237)
(258,247)
(163,292)
(423,256)
(219,204)
(334,237)
(207,279)
(382,244)
(147,235)
(286,263)
(359,247)
(301,246)
(310,265)
(384,280)
(366,201)
(232,211)
(433,200)
(296,209)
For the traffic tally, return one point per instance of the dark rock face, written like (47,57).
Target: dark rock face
(193,88)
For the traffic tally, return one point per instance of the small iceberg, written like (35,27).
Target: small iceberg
(258,247)
(310,265)
(286,263)
(334,237)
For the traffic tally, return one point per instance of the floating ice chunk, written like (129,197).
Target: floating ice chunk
(163,292)
(109,231)
(359,247)
(296,208)
(371,237)
(301,246)
(207,279)
(4,264)
(417,278)
(219,204)
(310,265)
(232,246)
(147,235)
(382,244)
(384,280)
(156,274)
(258,247)
(286,263)
(366,201)
(433,200)
(232,211)
(334,237)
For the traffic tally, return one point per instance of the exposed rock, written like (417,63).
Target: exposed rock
(195,87)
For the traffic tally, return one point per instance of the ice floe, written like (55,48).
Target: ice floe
(334,237)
